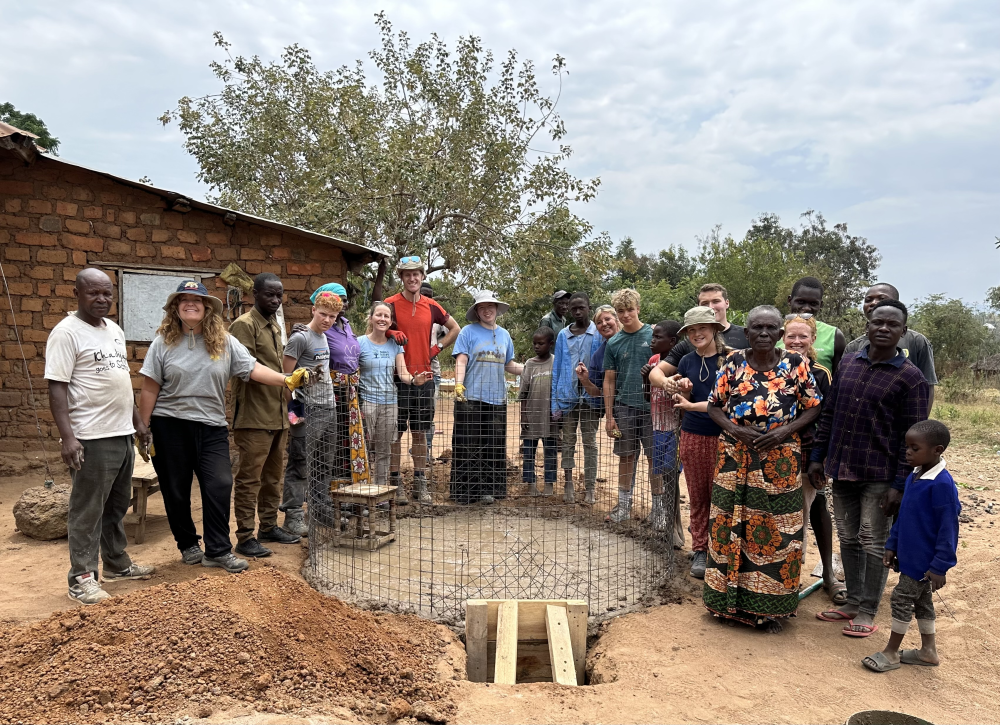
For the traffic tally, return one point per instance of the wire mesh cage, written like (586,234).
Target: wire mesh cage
(494,493)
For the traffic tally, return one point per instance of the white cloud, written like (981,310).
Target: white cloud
(881,115)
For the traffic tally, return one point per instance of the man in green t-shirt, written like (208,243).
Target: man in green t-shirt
(807,299)
(628,420)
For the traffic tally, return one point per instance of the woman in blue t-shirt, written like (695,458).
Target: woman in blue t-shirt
(380,360)
(483,352)
(699,448)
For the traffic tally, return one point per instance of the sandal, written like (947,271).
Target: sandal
(859,630)
(912,657)
(838,593)
(878,662)
(826,616)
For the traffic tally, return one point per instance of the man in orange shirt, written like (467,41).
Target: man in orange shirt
(413,317)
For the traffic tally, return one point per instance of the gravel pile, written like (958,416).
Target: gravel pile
(260,641)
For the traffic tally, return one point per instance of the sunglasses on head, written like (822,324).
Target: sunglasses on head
(803,315)
(407,260)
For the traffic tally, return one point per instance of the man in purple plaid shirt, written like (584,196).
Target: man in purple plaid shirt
(876,395)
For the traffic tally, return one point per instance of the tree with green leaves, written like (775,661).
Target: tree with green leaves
(32,124)
(956,330)
(440,159)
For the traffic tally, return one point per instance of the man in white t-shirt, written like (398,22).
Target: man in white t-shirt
(90,395)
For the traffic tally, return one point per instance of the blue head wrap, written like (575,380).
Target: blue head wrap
(337,289)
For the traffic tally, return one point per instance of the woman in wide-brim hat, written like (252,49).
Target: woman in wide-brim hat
(483,352)
(183,402)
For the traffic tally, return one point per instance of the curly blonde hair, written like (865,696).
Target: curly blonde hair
(625,299)
(213,330)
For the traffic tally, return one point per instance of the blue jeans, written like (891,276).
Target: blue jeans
(863,530)
(550,446)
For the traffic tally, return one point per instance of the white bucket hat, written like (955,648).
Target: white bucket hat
(481,298)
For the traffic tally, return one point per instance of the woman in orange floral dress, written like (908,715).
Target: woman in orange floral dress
(763,397)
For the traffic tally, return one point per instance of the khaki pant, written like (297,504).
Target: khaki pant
(257,488)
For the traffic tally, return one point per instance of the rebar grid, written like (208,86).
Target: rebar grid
(524,545)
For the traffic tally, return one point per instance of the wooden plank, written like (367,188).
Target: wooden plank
(577,612)
(533,663)
(560,647)
(476,636)
(143,472)
(505,672)
(531,615)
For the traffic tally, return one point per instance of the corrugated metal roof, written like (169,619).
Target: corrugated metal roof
(364,254)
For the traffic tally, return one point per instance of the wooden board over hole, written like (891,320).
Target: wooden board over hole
(533,658)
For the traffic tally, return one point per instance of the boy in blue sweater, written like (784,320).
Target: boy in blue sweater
(921,546)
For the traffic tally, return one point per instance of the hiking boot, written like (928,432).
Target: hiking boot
(623,509)
(698,562)
(227,561)
(589,498)
(422,494)
(87,590)
(548,489)
(658,515)
(401,498)
(295,523)
(569,496)
(192,555)
(252,549)
(278,535)
(135,571)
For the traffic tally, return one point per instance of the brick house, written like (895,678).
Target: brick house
(57,217)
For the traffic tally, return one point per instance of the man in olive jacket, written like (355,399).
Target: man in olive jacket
(260,426)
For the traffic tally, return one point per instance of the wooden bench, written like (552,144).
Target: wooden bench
(365,497)
(144,483)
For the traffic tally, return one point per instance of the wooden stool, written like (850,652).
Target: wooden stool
(144,483)
(369,497)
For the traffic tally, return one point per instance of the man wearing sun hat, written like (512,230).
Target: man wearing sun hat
(414,316)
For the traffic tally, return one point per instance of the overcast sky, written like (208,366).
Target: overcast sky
(883,115)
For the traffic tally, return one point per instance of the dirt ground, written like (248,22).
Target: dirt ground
(670,663)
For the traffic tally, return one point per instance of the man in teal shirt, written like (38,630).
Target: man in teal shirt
(628,421)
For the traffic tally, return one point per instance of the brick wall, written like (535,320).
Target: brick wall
(56,219)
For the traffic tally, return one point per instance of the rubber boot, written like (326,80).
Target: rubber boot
(422,494)
(658,514)
(590,500)
(569,495)
(623,509)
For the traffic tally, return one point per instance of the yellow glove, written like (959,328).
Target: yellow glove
(460,393)
(297,379)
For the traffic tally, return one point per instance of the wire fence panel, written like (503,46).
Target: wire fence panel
(507,503)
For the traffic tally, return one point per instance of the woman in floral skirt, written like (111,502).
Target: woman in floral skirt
(763,397)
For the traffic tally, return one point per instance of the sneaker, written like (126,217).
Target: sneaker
(401,498)
(422,494)
(87,590)
(623,509)
(657,518)
(252,549)
(698,564)
(227,561)
(487,500)
(193,555)
(295,523)
(135,571)
(279,536)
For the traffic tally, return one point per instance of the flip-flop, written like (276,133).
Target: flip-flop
(863,630)
(824,616)
(878,662)
(911,657)
(838,593)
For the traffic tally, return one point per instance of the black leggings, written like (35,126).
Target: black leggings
(183,449)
